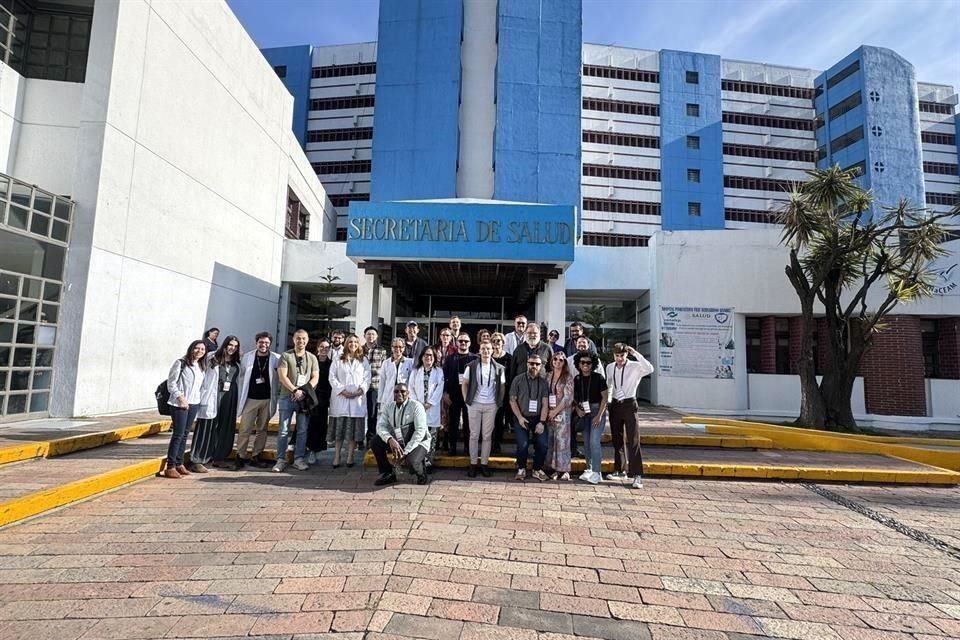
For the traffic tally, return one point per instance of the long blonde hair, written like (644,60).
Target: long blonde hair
(357,353)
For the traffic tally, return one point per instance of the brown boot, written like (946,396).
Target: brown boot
(182,470)
(170,472)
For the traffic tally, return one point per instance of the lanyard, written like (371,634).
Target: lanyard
(261,364)
(556,384)
(397,424)
(489,373)
(623,372)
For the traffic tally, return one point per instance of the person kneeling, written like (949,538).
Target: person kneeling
(402,435)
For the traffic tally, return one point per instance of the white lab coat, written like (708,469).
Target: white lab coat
(390,373)
(349,375)
(434,395)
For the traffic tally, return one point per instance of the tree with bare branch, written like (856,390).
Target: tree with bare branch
(841,247)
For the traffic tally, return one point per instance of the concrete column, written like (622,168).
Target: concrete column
(368,301)
(387,305)
(552,305)
(281,344)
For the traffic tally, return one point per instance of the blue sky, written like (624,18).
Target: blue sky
(799,33)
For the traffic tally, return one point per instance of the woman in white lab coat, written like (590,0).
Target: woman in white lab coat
(426,387)
(349,381)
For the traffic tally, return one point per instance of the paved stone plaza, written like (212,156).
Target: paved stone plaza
(256,554)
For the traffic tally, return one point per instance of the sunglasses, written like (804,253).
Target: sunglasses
(533,364)
(463,341)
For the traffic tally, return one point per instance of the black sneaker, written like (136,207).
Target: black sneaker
(430,469)
(239,463)
(422,479)
(485,471)
(259,462)
(385,478)
(472,471)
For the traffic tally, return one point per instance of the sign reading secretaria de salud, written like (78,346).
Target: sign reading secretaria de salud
(696,342)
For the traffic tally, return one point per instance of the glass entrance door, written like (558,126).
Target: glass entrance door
(433,313)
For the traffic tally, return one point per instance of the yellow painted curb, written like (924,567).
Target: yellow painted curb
(63,446)
(798,439)
(41,501)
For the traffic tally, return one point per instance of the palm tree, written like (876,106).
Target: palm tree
(841,245)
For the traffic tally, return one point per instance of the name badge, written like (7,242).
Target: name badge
(552,399)
(533,406)
(585,406)
(301,379)
(619,395)
(463,378)
(259,380)
(226,385)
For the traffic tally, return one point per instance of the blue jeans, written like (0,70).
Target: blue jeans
(523,444)
(288,406)
(182,421)
(591,438)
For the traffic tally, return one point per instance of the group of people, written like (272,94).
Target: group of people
(407,404)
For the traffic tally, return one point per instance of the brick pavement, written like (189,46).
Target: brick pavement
(291,556)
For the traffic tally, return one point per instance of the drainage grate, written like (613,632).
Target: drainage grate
(886,521)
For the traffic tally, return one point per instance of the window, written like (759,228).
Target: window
(693,77)
(345,199)
(847,139)
(614,240)
(941,168)
(693,175)
(753,337)
(783,91)
(621,139)
(340,135)
(770,153)
(733,117)
(621,206)
(621,106)
(351,102)
(938,138)
(341,166)
(930,339)
(619,73)
(281,70)
(693,208)
(341,234)
(693,142)
(948,199)
(842,107)
(783,346)
(750,215)
(621,173)
(341,70)
(756,184)
(51,42)
(693,109)
(859,168)
(298,219)
(843,75)
(936,107)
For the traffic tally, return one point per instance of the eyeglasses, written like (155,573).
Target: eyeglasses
(586,363)
(463,341)
(520,323)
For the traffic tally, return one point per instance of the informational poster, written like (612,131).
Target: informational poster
(696,342)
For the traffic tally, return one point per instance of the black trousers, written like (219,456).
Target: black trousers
(458,410)
(414,461)
(317,427)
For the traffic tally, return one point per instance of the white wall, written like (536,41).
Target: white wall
(184,156)
(11,105)
(943,398)
(780,394)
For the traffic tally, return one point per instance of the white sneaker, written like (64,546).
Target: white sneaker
(280,466)
(311,458)
(521,474)
(614,477)
(540,475)
(586,474)
(300,465)
(595,478)
(638,482)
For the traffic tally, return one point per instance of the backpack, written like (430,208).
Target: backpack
(162,395)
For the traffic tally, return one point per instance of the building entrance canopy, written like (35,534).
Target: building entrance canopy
(461,231)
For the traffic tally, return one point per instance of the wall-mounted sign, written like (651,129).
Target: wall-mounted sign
(461,231)
(696,342)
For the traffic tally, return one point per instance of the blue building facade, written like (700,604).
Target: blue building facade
(294,66)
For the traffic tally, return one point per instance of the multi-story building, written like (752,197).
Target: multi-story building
(682,161)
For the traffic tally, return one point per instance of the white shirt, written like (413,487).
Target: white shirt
(623,383)
(513,340)
(193,394)
(390,375)
(486,385)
